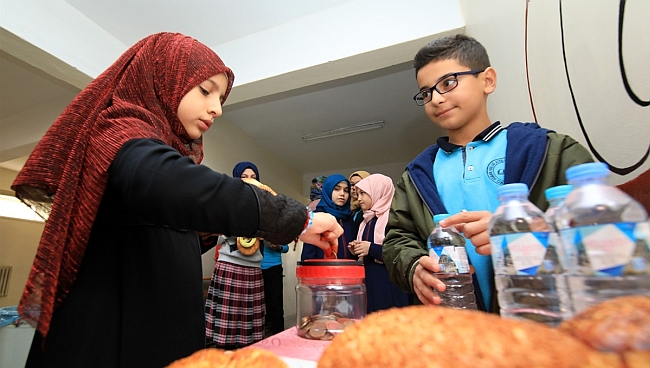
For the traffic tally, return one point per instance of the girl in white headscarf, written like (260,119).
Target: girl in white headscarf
(375,194)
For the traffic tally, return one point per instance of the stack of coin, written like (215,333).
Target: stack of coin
(323,326)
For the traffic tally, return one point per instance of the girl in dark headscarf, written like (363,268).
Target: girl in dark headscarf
(234,308)
(239,169)
(335,200)
(117,278)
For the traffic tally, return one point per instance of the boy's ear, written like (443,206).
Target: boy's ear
(490,77)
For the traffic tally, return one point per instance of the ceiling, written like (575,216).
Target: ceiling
(276,120)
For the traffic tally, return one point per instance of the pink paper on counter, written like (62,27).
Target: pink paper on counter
(288,344)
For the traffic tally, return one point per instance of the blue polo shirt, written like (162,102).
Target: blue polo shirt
(272,257)
(467,178)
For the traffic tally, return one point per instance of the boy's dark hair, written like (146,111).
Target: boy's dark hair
(464,49)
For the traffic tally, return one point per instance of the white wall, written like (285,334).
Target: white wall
(618,128)
(59,29)
(354,27)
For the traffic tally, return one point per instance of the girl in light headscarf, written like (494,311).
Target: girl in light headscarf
(375,194)
(357,213)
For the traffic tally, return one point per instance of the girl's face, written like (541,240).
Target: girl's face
(365,202)
(353,181)
(341,193)
(202,104)
(249,173)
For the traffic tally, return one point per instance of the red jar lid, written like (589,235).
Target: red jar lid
(330,269)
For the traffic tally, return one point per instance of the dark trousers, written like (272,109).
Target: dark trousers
(273,296)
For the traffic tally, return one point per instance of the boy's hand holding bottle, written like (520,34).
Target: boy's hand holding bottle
(473,225)
(424,281)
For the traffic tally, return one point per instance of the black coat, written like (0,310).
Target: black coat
(138,297)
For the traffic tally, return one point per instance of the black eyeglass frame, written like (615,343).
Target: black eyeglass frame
(418,101)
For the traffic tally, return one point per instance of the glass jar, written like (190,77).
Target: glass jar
(330,296)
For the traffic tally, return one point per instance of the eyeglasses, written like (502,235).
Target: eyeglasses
(443,86)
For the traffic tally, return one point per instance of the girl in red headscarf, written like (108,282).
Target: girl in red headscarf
(117,278)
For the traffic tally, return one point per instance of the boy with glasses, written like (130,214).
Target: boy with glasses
(461,173)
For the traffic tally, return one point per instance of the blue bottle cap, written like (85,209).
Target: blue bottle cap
(560,191)
(514,188)
(439,217)
(583,171)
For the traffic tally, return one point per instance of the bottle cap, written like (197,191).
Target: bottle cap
(583,171)
(439,217)
(560,191)
(514,188)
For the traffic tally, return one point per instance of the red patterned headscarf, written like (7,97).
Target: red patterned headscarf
(65,177)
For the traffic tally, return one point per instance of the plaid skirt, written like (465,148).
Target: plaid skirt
(234,308)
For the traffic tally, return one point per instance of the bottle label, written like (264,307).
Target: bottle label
(614,249)
(555,260)
(519,253)
(451,258)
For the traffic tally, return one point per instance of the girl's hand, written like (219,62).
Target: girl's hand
(324,233)
(361,248)
(351,247)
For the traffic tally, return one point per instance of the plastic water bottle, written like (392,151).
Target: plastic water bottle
(555,197)
(607,235)
(528,280)
(447,248)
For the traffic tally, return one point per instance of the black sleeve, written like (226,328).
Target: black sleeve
(208,241)
(281,218)
(158,183)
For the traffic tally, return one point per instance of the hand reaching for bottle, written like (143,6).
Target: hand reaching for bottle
(474,226)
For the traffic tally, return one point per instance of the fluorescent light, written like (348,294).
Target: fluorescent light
(345,130)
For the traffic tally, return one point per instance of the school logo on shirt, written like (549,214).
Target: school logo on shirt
(495,170)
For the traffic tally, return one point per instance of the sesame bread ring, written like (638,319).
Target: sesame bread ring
(256,183)
(248,246)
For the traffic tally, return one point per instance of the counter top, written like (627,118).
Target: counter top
(293,349)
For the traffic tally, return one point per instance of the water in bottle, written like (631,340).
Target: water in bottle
(528,277)
(447,248)
(555,197)
(606,236)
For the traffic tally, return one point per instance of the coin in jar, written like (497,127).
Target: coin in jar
(318,330)
(304,321)
(333,326)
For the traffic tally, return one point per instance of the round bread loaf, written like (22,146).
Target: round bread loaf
(242,358)
(205,358)
(423,336)
(255,358)
(619,325)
